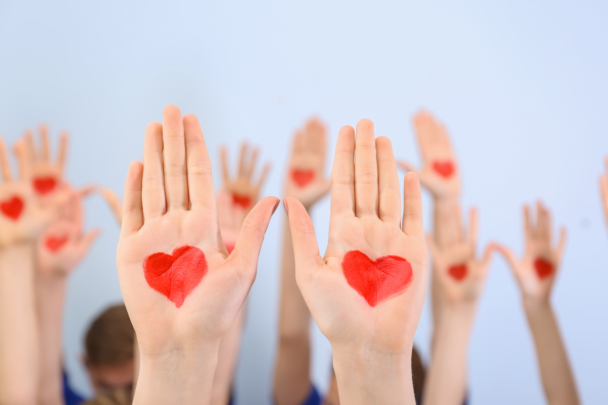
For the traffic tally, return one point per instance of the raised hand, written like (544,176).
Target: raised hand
(63,245)
(231,217)
(245,192)
(46,174)
(536,270)
(604,188)
(367,293)
(113,202)
(305,178)
(180,286)
(440,173)
(460,272)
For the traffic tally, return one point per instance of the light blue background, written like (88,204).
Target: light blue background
(521,86)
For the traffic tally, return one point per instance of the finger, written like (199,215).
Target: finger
(22,160)
(44,143)
(366,170)
(29,146)
(509,256)
(408,167)
(251,164)
(63,151)
(527,221)
(84,244)
(343,174)
(113,202)
(389,193)
(263,176)
(153,194)
(604,188)
(132,213)
(200,173)
(251,236)
(299,143)
(487,258)
(457,212)
(561,245)
(412,206)
(86,191)
(242,156)
(5,166)
(305,248)
(546,224)
(174,154)
(433,249)
(224,160)
(539,218)
(473,227)
(424,133)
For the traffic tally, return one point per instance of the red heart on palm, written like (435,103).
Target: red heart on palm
(376,280)
(176,275)
(543,267)
(302,177)
(458,272)
(444,168)
(242,200)
(44,185)
(12,207)
(54,243)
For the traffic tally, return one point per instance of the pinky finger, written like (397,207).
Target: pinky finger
(561,245)
(412,206)
(133,218)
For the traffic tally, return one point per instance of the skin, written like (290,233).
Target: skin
(372,346)
(446,379)
(604,188)
(170,202)
(19,338)
(556,374)
(110,377)
(292,382)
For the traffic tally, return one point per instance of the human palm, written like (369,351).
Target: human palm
(365,217)
(46,174)
(305,178)
(170,203)
(536,270)
(440,173)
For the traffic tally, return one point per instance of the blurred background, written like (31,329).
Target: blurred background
(522,88)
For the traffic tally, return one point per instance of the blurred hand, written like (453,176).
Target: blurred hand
(536,271)
(46,175)
(63,245)
(440,173)
(181,288)
(245,192)
(231,217)
(305,178)
(367,292)
(22,217)
(460,272)
(604,188)
(113,202)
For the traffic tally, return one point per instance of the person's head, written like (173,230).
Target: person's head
(109,350)
(115,397)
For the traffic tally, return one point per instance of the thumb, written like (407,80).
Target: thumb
(508,255)
(487,258)
(305,248)
(113,202)
(251,236)
(84,244)
(406,166)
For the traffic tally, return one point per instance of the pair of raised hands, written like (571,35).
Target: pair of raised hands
(39,207)
(183,289)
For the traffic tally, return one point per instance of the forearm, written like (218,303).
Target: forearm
(182,377)
(18,329)
(366,377)
(556,374)
(50,294)
(446,380)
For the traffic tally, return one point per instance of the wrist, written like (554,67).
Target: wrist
(535,305)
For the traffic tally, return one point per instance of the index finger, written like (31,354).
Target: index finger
(5,167)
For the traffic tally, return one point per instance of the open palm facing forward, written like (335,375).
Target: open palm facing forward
(180,285)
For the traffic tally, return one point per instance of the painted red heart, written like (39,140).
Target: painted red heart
(229,247)
(242,200)
(176,275)
(302,177)
(543,267)
(54,243)
(12,207)
(458,272)
(444,168)
(377,280)
(44,185)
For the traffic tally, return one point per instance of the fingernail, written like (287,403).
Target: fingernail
(276,205)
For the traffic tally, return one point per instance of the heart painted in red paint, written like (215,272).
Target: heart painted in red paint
(377,280)
(229,247)
(444,168)
(543,267)
(242,200)
(302,177)
(12,207)
(54,243)
(458,272)
(176,275)
(44,185)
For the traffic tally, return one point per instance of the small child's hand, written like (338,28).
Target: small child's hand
(536,271)
(460,272)
(305,178)
(230,217)
(440,173)
(47,175)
